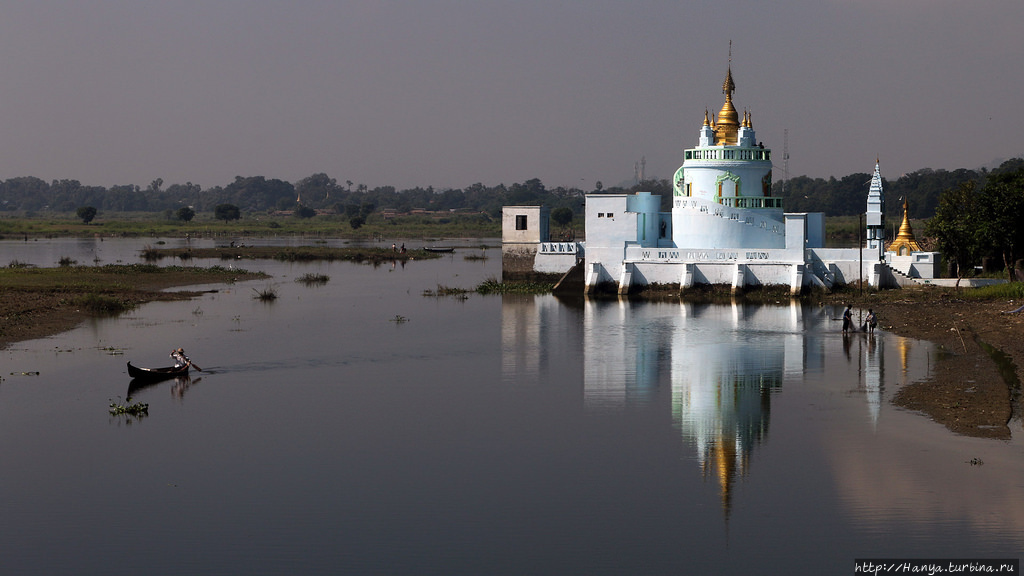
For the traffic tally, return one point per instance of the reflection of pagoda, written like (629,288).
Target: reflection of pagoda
(721,390)
(723,363)
(725,420)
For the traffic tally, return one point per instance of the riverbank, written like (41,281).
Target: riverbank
(40,302)
(969,391)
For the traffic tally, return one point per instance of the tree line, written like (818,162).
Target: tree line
(257,194)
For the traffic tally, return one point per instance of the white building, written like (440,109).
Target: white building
(725,226)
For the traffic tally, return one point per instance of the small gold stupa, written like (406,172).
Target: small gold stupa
(905,243)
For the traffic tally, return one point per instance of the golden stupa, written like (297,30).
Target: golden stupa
(905,243)
(727,126)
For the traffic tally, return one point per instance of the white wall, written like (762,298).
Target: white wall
(537,224)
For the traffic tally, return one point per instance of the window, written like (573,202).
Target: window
(520,221)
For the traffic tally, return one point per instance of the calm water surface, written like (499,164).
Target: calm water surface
(486,435)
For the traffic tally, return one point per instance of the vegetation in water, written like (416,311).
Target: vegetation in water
(494,286)
(130,408)
(290,254)
(443,291)
(311,279)
(102,304)
(268,294)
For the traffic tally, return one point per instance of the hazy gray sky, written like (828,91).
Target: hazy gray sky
(449,93)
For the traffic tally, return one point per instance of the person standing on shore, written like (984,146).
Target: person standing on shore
(847,318)
(872,321)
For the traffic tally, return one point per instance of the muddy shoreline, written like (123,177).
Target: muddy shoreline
(38,303)
(969,391)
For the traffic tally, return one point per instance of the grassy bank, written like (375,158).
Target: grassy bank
(37,302)
(289,254)
(138,224)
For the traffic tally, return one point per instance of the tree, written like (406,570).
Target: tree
(955,227)
(356,222)
(226,212)
(185,214)
(86,213)
(303,211)
(561,216)
(1000,208)
(316,189)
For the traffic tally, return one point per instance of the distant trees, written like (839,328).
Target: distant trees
(969,225)
(185,214)
(257,194)
(227,212)
(562,216)
(316,190)
(1001,216)
(86,213)
(955,227)
(303,211)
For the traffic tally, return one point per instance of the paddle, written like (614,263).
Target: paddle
(194,366)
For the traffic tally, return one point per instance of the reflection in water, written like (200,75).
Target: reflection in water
(723,363)
(721,384)
(535,332)
(179,385)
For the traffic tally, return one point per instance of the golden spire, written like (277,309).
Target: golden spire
(728,87)
(706,121)
(728,119)
(905,243)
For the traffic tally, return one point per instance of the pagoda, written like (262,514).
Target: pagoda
(905,243)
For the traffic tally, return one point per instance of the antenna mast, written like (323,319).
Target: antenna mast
(785,159)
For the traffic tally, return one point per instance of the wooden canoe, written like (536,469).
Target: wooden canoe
(153,374)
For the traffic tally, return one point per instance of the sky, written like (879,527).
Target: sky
(448,93)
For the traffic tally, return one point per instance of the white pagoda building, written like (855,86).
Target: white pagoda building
(725,227)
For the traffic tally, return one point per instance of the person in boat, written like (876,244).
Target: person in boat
(179,358)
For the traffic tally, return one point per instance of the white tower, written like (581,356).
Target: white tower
(876,214)
(722,192)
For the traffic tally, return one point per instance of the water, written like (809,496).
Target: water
(490,435)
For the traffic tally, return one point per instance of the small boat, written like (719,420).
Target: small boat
(154,374)
(438,249)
